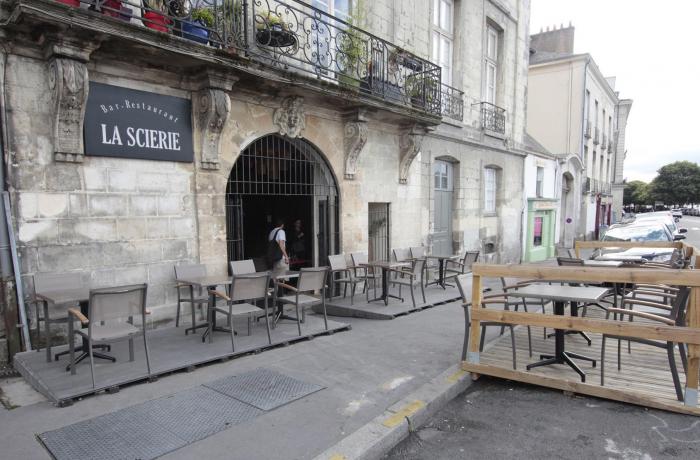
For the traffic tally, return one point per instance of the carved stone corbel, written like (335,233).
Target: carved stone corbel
(214,109)
(290,117)
(69,84)
(354,141)
(410,143)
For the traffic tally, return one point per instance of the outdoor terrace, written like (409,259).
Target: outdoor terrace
(264,38)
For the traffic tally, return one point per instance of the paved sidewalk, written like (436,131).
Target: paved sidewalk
(366,371)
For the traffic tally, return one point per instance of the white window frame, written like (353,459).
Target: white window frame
(539,182)
(442,175)
(587,109)
(329,7)
(443,37)
(490,82)
(490,190)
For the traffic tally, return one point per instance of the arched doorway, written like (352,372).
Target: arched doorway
(278,177)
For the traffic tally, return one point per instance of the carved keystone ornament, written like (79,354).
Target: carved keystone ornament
(290,118)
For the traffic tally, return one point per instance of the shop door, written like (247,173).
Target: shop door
(442,225)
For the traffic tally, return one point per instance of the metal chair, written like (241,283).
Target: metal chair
(673,315)
(311,280)
(574,262)
(45,282)
(492,299)
(245,290)
(409,278)
(339,265)
(454,267)
(419,252)
(366,274)
(242,267)
(193,298)
(401,254)
(105,307)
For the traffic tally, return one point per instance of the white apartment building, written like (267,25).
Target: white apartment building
(575,112)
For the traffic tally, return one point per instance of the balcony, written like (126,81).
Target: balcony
(290,38)
(587,130)
(595,186)
(596,136)
(452,103)
(493,118)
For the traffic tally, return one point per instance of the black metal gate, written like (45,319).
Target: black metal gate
(276,166)
(378,231)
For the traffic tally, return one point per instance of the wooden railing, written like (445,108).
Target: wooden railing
(690,334)
(578,245)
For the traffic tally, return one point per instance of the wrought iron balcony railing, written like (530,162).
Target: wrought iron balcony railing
(587,130)
(493,117)
(293,36)
(452,103)
(596,136)
(594,186)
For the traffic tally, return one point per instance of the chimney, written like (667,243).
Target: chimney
(556,40)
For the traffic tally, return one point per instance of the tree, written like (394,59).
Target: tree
(636,192)
(677,183)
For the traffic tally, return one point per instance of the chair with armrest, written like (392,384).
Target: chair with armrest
(311,280)
(106,307)
(487,300)
(367,274)
(573,262)
(47,282)
(410,277)
(460,267)
(245,291)
(431,266)
(673,315)
(338,265)
(192,296)
(242,267)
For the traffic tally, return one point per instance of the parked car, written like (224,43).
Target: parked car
(638,231)
(666,218)
(677,214)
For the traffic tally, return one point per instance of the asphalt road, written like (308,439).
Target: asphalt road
(692,223)
(499,419)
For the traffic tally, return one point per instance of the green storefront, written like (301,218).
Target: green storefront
(541,215)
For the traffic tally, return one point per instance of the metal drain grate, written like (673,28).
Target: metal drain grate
(159,426)
(264,388)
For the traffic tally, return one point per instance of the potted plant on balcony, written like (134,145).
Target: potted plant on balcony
(422,89)
(197,27)
(154,15)
(271,30)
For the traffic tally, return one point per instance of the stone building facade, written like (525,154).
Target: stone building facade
(575,112)
(123,220)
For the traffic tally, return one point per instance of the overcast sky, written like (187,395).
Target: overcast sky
(652,48)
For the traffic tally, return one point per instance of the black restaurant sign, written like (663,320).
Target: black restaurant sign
(126,123)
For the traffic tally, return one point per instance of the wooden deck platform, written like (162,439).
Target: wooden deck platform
(434,295)
(645,378)
(170,350)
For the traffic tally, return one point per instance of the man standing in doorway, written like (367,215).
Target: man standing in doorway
(277,240)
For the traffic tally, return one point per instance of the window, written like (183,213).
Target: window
(596,114)
(442,173)
(490,190)
(607,170)
(537,231)
(586,109)
(586,160)
(540,182)
(491,65)
(323,50)
(443,37)
(337,8)
(593,167)
(602,170)
(610,129)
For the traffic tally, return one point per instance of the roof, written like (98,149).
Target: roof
(531,144)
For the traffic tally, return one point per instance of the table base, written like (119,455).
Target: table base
(95,354)
(564,358)
(583,334)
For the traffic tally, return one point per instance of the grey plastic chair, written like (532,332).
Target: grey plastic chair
(310,280)
(491,299)
(366,274)
(45,282)
(454,267)
(106,306)
(401,254)
(242,267)
(410,277)
(191,296)
(245,291)
(339,266)
(419,252)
